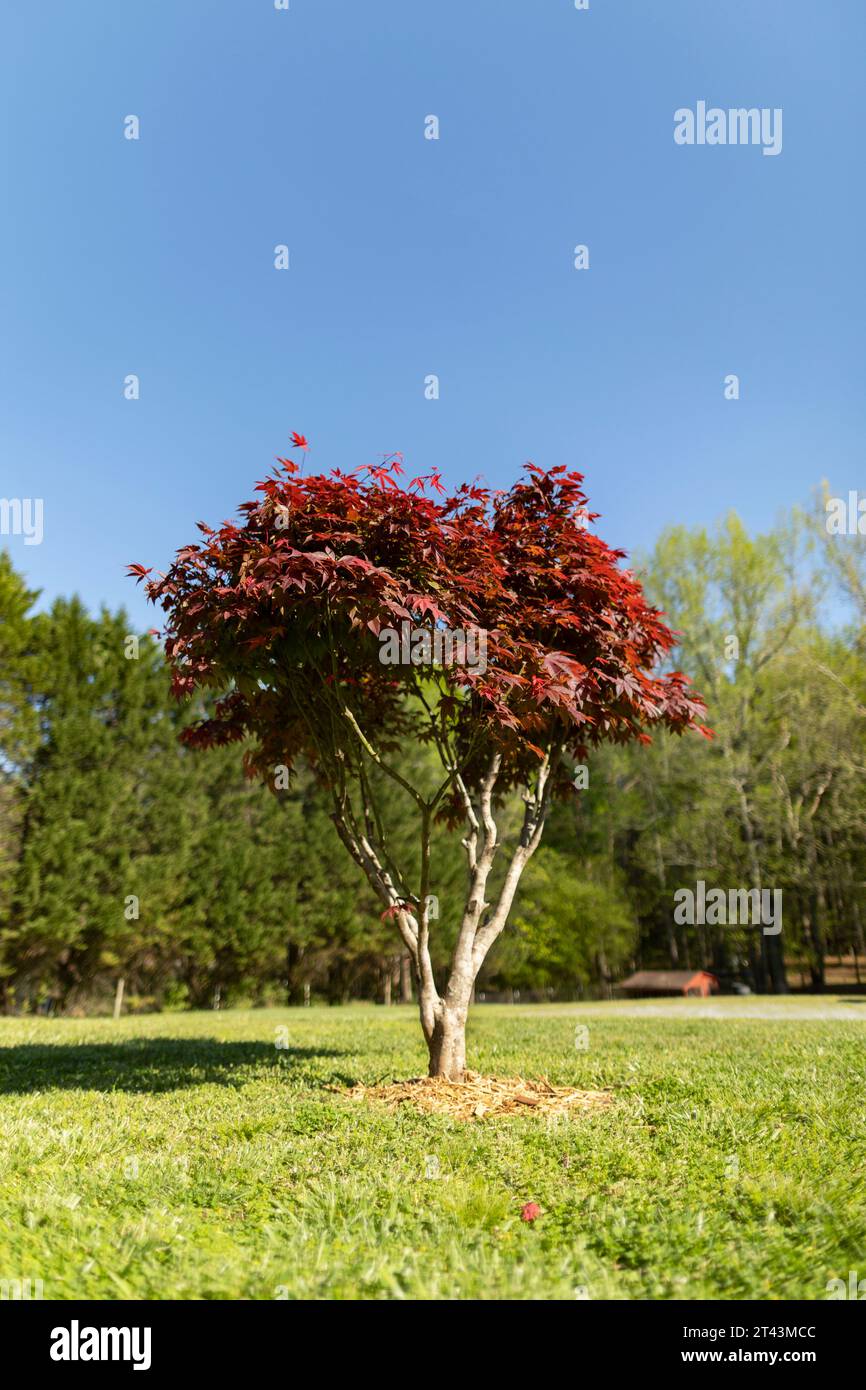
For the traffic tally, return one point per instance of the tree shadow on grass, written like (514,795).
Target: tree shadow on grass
(158,1064)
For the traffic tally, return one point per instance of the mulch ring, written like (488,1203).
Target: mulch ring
(479,1097)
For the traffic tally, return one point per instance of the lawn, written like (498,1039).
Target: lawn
(188,1156)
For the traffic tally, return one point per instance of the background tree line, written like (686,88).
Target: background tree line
(125,855)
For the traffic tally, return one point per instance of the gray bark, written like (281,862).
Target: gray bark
(443,1018)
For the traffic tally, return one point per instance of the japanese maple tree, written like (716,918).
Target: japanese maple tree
(282,617)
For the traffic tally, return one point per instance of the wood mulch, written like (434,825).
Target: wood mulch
(479,1097)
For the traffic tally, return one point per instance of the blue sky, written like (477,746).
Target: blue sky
(410,257)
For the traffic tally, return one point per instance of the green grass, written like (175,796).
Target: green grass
(185,1156)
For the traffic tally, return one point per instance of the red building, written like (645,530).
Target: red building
(647,983)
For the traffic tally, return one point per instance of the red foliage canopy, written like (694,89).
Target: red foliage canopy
(280,615)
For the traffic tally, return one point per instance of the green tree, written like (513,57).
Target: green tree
(103,715)
(569,931)
(18,729)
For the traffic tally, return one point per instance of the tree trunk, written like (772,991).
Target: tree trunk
(406,978)
(447,1046)
(294,962)
(815,929)
(443,1018)
(445,1030)
(776,964)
